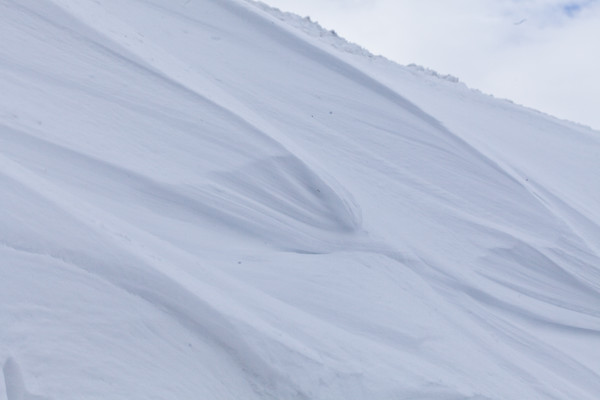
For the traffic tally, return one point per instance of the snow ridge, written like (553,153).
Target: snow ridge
(330,37)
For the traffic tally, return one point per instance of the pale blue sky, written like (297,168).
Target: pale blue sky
(543,54)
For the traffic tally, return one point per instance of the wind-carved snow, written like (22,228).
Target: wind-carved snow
(13,380)
(200,201)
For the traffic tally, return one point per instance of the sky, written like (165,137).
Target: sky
(544,54)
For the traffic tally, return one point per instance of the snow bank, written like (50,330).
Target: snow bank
(200,201)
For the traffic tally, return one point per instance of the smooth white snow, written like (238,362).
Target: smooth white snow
(200,201)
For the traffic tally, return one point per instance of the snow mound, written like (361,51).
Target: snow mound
(200,201)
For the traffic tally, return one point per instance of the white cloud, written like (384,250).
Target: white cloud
(540,53)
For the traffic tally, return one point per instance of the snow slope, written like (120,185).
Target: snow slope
(200,201)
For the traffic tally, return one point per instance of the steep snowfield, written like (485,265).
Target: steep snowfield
(200,201)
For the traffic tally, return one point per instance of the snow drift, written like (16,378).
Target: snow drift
(200,201)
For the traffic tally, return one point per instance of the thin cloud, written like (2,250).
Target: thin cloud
(572,9)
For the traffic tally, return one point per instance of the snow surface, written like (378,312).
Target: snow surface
(200,201)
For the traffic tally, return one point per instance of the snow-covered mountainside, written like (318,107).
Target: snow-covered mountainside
(198,200)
